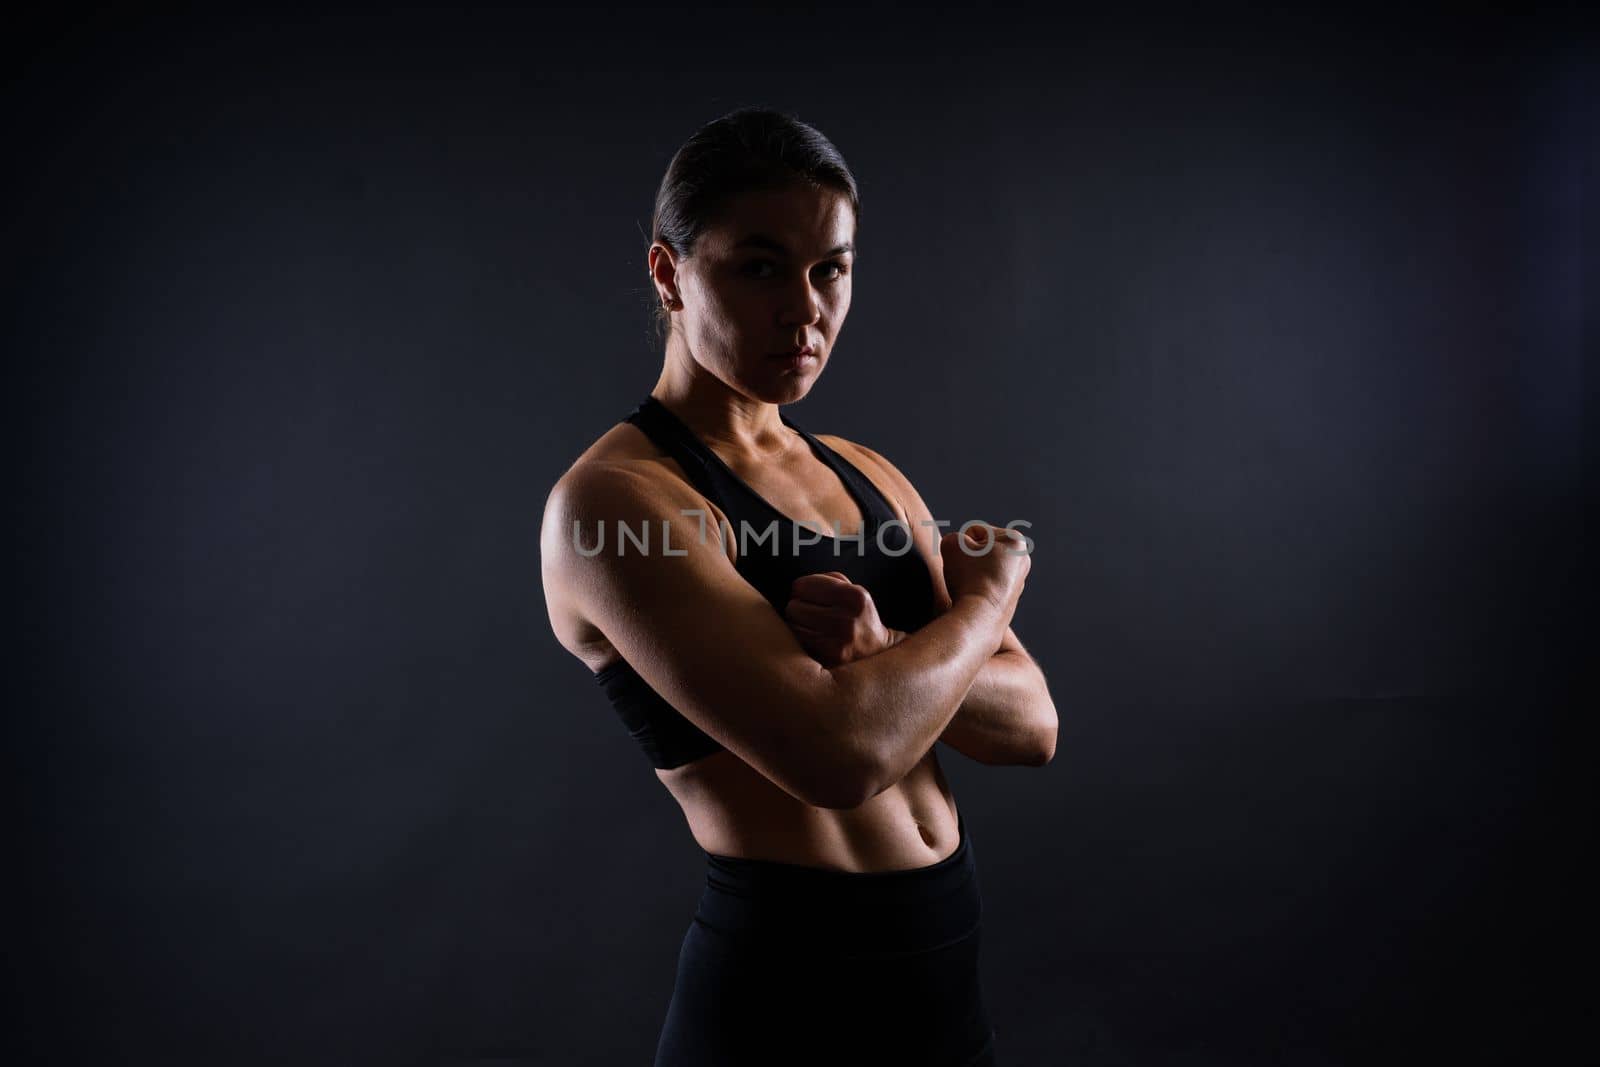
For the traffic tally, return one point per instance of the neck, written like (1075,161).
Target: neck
(715,412)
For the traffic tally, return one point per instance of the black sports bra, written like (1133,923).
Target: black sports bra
(900,582)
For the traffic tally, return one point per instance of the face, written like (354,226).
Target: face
(771,276)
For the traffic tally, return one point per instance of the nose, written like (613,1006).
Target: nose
(801,306)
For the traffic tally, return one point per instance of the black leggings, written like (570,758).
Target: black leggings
(790,964)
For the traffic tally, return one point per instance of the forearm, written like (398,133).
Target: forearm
(902,699)
(1007,717)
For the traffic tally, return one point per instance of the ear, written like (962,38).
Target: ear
(662,267)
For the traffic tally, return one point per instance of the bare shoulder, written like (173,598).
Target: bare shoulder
(622,444)
(614,480)
(621,479)
(674,608)
(622,465)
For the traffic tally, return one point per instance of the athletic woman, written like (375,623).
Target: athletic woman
(786,633)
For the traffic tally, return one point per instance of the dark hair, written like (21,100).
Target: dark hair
(747,150)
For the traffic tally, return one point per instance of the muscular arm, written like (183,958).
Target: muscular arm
(1007,715)
(717,651)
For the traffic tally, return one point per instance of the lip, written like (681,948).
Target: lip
(798,354)
(796,362)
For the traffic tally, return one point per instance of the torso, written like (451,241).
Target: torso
(731,808)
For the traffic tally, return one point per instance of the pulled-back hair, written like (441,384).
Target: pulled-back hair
(748,150)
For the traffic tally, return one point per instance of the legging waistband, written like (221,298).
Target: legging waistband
(842,914)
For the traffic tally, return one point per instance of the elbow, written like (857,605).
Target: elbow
(841,773)
(1043,747)
(842,782)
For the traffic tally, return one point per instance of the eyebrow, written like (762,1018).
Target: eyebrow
(761,240)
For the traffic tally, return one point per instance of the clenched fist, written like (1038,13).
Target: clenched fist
(835,619)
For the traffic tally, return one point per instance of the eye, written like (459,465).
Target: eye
(763,269)
(752,268)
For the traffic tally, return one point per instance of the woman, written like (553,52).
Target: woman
(745,593)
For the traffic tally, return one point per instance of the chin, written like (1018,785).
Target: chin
(774,394)
(777,388)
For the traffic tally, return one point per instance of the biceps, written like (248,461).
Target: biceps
(702,637)
(706,641)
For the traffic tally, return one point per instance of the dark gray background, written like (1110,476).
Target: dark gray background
(1273,330)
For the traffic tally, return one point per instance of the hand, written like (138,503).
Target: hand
(836,620)
(991,562)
